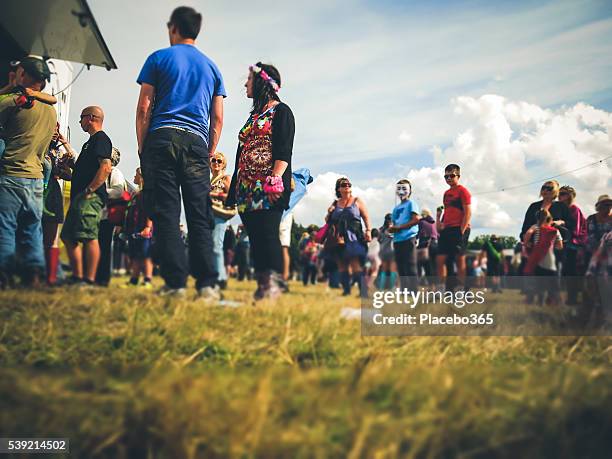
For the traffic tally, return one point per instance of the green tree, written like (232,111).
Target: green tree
(507,242)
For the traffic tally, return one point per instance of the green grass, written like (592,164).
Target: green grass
(126,374)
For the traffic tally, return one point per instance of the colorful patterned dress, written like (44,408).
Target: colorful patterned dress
(255,163)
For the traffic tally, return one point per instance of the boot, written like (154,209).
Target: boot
(359,279)
(267,286)
(345,280)
(381,282)
(259,292)
(392,280)
(52,258)
(32,278)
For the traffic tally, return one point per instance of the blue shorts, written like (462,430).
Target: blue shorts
(139,248)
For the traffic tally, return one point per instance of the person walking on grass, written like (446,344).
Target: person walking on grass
(387,277)
(53,212)
(87,198)
(574,265)
(115,188)
(178,124)
(428,245)
(405,229)
(27,131)
(346,241)
(220,183)
(261,183)
(492,250)
(541,240)
(138,230)
(453,225)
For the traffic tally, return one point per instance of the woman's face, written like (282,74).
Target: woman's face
(216,163)
(547,191)
(565,198)
(345,188)
(604,208)
(249,86)
(138,178)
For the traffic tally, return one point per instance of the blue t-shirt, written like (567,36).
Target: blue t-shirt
(185,82)
(402,214)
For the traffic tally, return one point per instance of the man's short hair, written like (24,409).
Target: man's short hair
(187,20)
(453,168)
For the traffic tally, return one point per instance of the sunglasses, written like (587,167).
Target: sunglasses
(450,176)
(86,115)
(345,185)
(216,161)
(548,188)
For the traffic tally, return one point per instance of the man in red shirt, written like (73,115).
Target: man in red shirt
(454,225)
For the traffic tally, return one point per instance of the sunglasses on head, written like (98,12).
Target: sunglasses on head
(450,176)
(345,185)
(216,161)
(548,188)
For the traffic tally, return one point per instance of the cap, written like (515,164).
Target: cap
(35,67)
(603,198)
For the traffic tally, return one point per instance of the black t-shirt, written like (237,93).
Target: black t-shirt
(98,147)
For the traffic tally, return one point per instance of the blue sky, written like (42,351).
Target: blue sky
(372,84)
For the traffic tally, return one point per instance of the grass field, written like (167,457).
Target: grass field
(126,374)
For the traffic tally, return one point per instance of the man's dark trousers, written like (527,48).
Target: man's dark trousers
(175,161)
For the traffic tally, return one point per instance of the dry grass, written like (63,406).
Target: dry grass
(126,374)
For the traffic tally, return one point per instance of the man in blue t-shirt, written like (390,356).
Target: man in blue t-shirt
(405,228)
(178,124)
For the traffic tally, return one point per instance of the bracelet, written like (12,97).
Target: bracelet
(274,184)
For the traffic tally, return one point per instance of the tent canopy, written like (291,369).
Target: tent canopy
(59,29)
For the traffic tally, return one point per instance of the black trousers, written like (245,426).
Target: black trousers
(262,227)
(175,161)
(406,260)
(105,239)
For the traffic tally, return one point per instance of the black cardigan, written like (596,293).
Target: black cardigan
(558,210)
(283,132)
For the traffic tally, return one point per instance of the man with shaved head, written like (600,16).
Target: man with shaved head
(87,198)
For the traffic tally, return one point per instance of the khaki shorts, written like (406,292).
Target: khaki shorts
(83,218)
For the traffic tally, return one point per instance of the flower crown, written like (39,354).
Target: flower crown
(267,78)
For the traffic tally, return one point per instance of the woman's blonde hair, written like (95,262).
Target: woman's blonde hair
(555,186)
(218,154)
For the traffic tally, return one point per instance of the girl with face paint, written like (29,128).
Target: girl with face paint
(405,217)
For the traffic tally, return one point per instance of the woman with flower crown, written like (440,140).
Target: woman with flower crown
(261,183)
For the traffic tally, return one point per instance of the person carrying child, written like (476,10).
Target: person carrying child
(541,240)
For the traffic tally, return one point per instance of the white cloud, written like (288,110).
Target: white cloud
(405,137)
(507,144)
(354,81)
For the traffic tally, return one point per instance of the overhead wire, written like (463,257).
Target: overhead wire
(543,180)
(73,80)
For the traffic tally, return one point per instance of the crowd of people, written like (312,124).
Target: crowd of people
(179,120)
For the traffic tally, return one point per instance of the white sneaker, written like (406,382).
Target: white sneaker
(209,293)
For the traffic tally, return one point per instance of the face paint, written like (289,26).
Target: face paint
(402,190)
